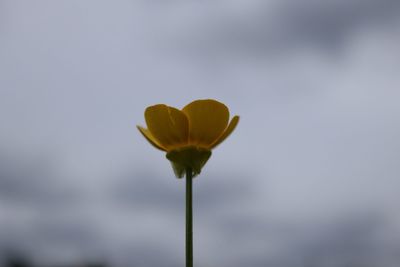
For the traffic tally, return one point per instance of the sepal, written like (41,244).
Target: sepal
(188,157)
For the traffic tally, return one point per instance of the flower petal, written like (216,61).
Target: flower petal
(146,133)
(168,125)
(207,121)
(228,131)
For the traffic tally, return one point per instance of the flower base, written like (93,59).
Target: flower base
(189,157)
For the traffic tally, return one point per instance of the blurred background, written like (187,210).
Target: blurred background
(309,178)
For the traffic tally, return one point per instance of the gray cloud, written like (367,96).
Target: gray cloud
(147,190)
(309,176)
(268,29)
(33,182)
(354,240)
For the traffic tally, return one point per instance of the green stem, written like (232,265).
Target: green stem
(189,219)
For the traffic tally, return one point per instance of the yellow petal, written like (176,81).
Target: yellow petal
(168,125)
(207,121)
(146,133)
(228,131)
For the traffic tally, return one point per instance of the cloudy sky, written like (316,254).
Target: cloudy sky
(309,178)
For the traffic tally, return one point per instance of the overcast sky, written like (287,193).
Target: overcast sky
(310,177)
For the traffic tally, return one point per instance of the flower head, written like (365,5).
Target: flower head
(188,135)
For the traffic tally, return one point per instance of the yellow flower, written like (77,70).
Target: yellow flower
(188,135)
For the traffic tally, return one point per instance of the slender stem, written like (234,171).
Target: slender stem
(189,219)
